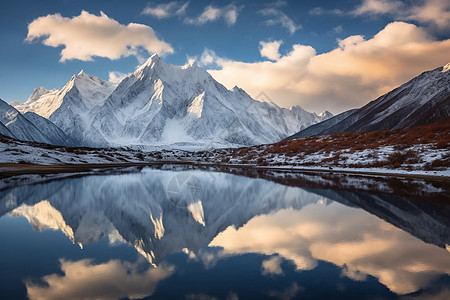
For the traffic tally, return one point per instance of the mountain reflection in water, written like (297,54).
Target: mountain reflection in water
(280,241)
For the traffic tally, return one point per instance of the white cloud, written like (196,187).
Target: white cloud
(228,13)
(116,77)
(208,57)
(349,76)
(270,49)
(166,10)
(435,12)
(110,281)
(277,17)
(338,29)
(87,35)
(318,11)
(378,7)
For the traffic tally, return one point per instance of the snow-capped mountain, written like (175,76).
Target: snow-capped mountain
(166,104)
(162,104)
(422,100)
(30,127)
(69,107)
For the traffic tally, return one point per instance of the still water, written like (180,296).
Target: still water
(193,234)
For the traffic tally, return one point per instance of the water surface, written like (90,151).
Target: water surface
(193,234)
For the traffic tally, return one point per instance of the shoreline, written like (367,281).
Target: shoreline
(13,169)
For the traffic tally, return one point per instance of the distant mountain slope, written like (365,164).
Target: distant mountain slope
(31,127)
(320,127)
(5,131)
(68,108)
(420,101)
(55,135)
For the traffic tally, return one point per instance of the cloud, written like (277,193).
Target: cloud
(318,11)
(116,77)
(277,17)
(110,281)
(270,49)
(434,12)
(165,10)
(228,13)
(338,29)
(208,57)
(87,35)
(349,76)
(378,7)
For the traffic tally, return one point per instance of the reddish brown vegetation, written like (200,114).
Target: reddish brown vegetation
(437,134)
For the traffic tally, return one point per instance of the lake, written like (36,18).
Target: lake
(179,233)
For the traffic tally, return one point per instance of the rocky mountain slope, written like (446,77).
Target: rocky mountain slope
(30,127)
(422,100)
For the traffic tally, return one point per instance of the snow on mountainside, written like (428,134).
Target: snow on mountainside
(166,104)
(422,100)
(30,127)
(54,134)
(162,104)
(5,131)
(68,108)
(19,126)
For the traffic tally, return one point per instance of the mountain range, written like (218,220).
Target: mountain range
(162,104)
(422,100)
(184,106)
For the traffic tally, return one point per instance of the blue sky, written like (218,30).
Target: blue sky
(240,42)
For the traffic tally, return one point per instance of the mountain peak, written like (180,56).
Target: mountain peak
(152,60)
(446,68)
(326,115)
(81,72)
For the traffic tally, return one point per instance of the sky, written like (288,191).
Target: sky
(321,55)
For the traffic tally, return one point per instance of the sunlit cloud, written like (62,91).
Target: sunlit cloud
(359,243)
(116,77)
(435,12)
(270,49)
(357,71)
(211,13)
(378,7)
(112,280)
(277,17)
(166,10)
(87,36)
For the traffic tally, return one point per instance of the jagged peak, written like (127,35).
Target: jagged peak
(81,72)
(325,114)
(446,68)
(152,60)
(192,64)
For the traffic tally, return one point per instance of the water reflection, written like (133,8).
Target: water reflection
(84,279)
(178,220)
